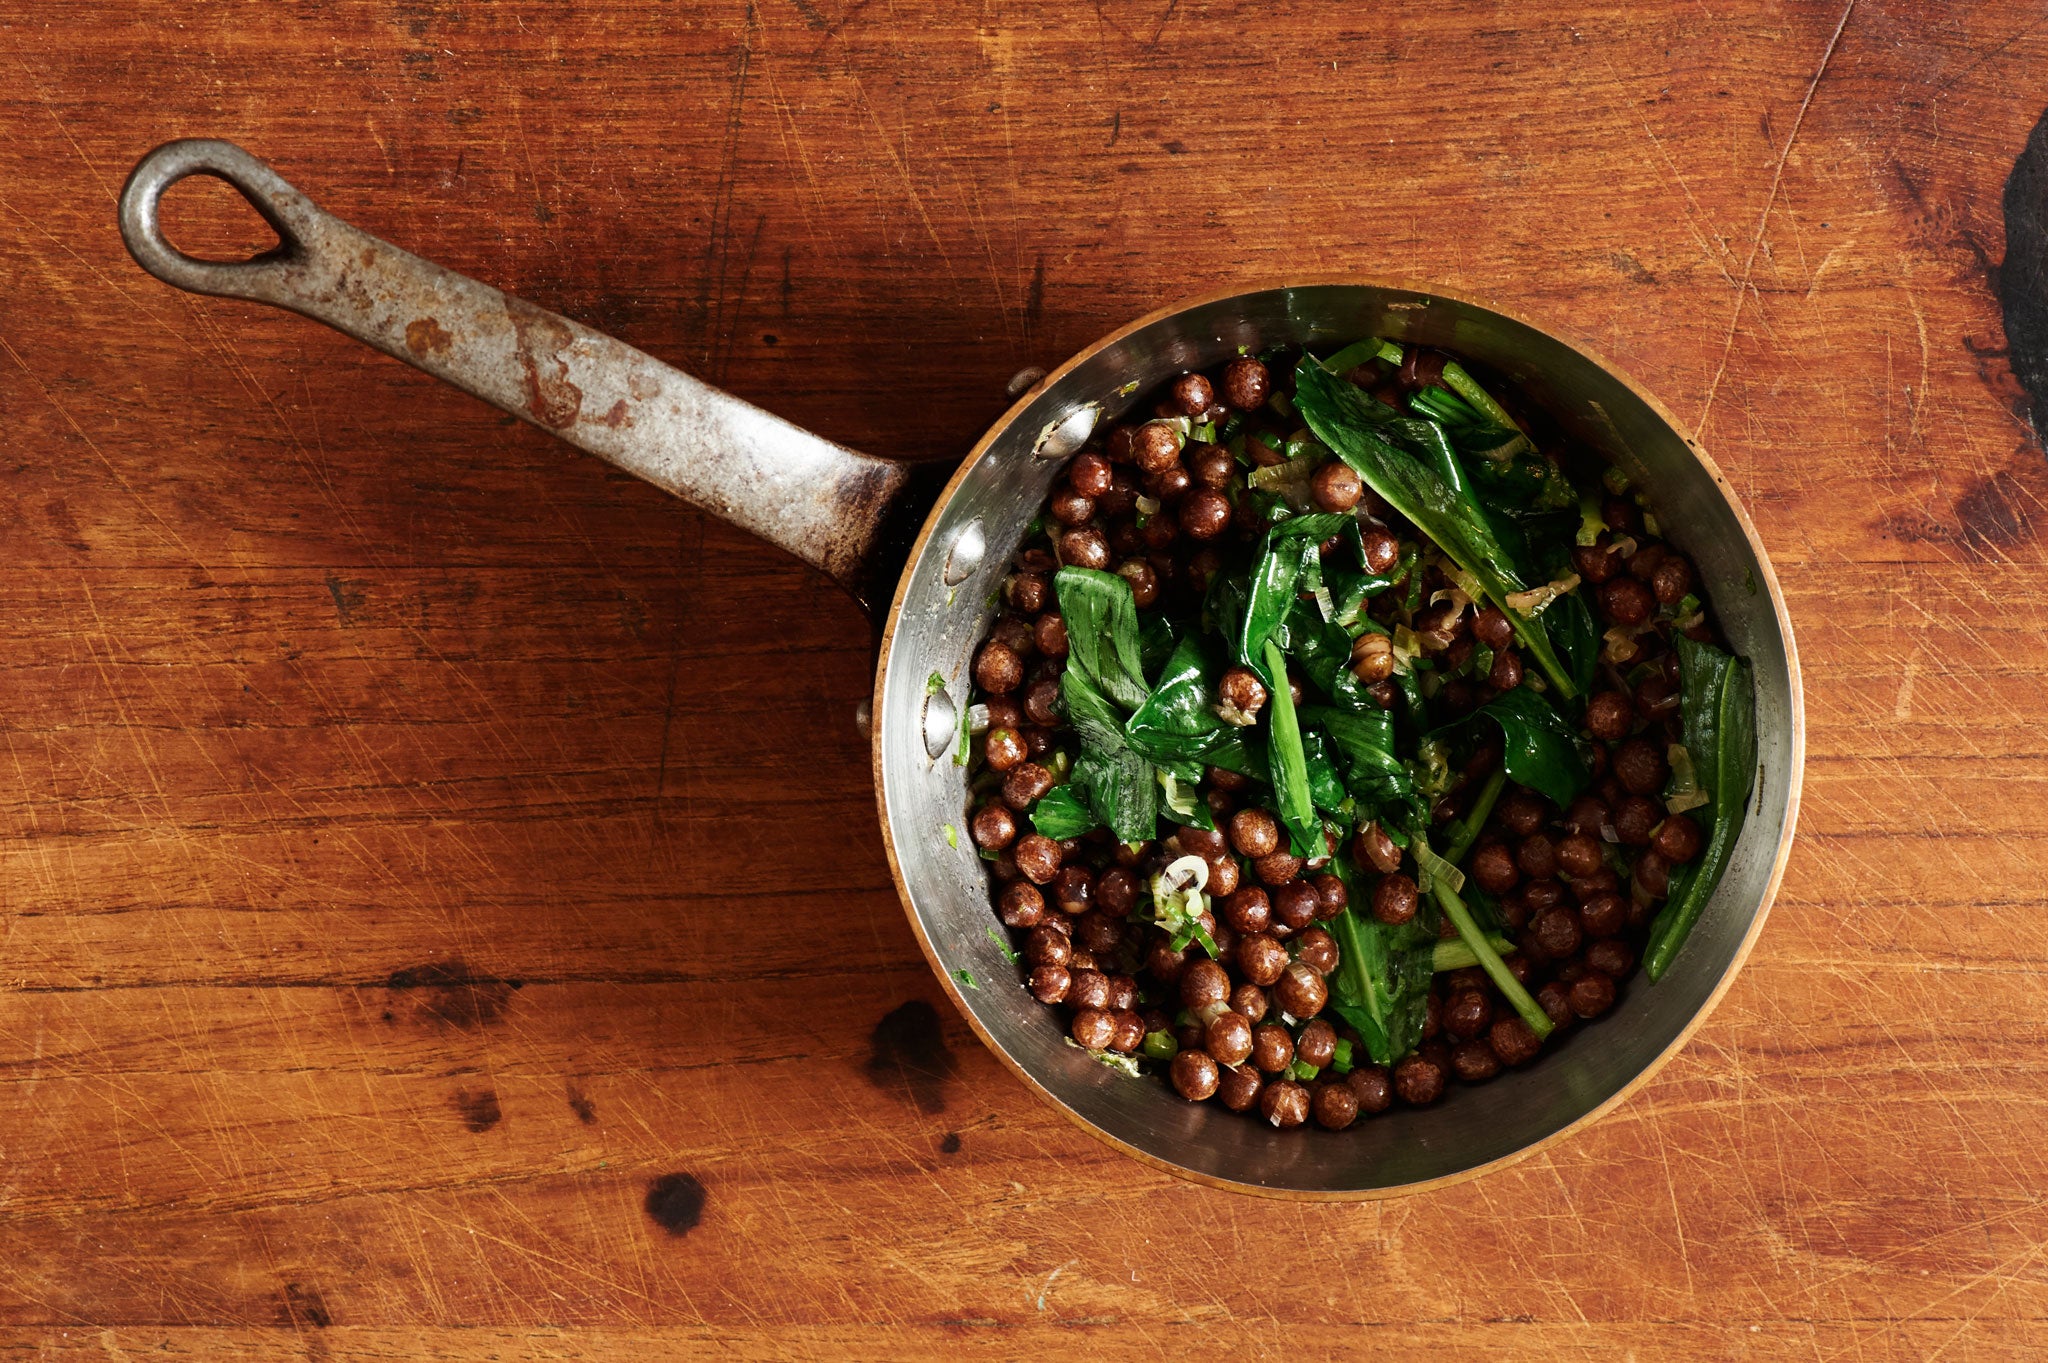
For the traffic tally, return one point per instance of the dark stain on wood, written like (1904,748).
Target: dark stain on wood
(950,1145)
(1992,513)
(479,1110)
(445,993)
(585,1110)
(676,1203)
(304,1306)
(910,1056)
(2022,282)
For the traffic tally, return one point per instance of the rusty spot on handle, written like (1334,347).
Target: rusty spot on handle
(551,399)
(425,334)
(618,415)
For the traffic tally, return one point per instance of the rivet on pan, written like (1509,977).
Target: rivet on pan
(940,716)
(968,547)
(1022,380)
(1061,438)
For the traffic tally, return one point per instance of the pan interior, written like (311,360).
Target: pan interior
(938,622)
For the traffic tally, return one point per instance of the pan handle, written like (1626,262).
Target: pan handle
(848,513)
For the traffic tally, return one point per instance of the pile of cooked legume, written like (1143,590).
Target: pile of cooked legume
(1343,731)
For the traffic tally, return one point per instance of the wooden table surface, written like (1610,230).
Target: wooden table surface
(418,841)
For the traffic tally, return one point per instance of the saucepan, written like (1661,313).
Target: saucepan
(923,552)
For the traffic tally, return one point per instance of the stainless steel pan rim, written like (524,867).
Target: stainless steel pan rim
(1052,402)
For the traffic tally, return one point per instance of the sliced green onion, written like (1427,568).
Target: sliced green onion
(1466,831)
(1160,1046)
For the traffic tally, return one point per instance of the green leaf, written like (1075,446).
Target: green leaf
(1538,748)
(1290,762)
(1103,641)
(1357,428)
(1177,724)
(1376,776)
(1718,696)
(1063,812)
(1289,562)
(1381,984)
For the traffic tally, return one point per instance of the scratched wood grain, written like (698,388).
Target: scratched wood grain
(417,841)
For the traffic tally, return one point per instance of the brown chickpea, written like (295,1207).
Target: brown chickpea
(1210,466)
(1603,915)
(1223,875)
(1129,1033)
(1028,592)
(1038,857)
(1073,889)
(1331,896)
(1021,905)
(1592,994)
(1223,779)
(1334,1104)
(993,826)
(1626,602)
(1194,1075)
(1317,950)
(1609,715)
(1201,842)
(1272,1048)
(1116,892)
(1284,1103)
(1025,784)
(1228,1037)
(1203,983)
(1521,812)
(1246,384)
(1372,657)
(1050,634)
(1474,1061)
(1047,945)
(1089,474)
(1248,910)
(1651,874)
(1015,635)
(1155,446)
(1383,694)
(1050,983)
(1557,932)
(1542,894)
(1621,516)
(1419,1080)
(1277,868)
(1193,395)
(1003,749)
(1432,1014)
(1042,704)
(1069,507)
(1382,549)
(1513,1040)
(1237,1087)
(1093,1028)
(1374,1088)
(1596,563)
(1586,815)
(1089,989)
(1468,1013)
(1240,695)
(1493,628)
(1204,514)
(1578,854)
(1255,833)
(1640,766)
(1635,822)
(1678,841)
(1167,964)
(1506,672)
(1493,867)
(1611,957)
(1262,959)
(1536,858)
(1317,1044)
(1671,581)
(1170,484)
(1374,848)
(1250,1000)
(1003,713)
(998,669)
(1394,899)
(1555,1001)
(1301,992)
(1085,547)
(1336,487)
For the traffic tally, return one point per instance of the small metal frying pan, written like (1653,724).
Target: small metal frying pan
(924,560)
